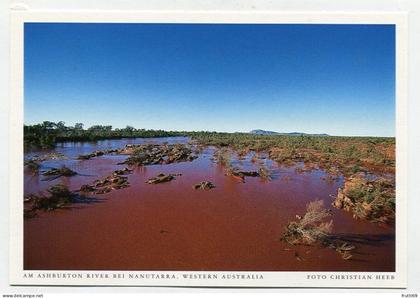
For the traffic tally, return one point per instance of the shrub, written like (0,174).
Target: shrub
(314,228)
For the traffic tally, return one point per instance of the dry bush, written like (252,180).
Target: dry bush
(57,196)
(315,228)
(310,228)
(264,173)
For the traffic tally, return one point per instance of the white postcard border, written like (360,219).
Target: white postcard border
(18,276)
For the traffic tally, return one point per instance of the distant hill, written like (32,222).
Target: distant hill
(263,132)
(268,132)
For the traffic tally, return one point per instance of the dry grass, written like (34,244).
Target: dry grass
(314,228)
(265,173)
(349,154)
(310,228)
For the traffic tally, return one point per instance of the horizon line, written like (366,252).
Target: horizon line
(276,133)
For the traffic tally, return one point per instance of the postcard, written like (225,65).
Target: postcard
(240,149)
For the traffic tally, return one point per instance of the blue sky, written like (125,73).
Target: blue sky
(335,79)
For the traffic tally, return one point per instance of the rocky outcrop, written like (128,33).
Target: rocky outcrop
(150,154)
(107,184)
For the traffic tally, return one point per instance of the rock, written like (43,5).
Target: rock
(63,171)
(101,182)
(29,198)
(87,188)
(149,154)
(84,157)
(48,156)
(373,200)
(110,151)
(205,185)
(118,182)
(162,178)
(109,183)
(124,171)
(235,174)
(103,190)
(32,165)
(90,155)
(248,173)
(58,197)
(240,174)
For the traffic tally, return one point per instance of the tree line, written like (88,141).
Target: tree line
(47,134)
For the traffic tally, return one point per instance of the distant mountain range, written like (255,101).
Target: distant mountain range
(268,132)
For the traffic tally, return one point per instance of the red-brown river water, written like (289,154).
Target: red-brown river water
(171,226)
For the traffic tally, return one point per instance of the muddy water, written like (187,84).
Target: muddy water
(171,226)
